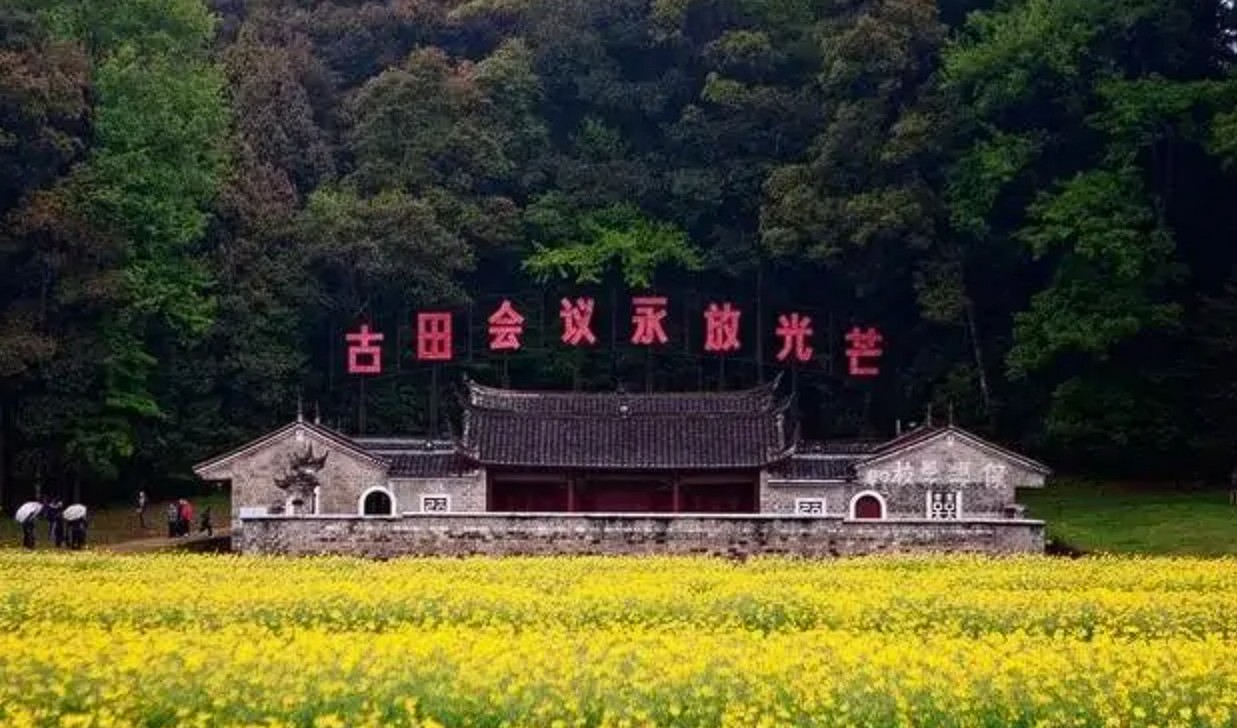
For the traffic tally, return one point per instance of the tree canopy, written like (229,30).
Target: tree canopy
(1031,199)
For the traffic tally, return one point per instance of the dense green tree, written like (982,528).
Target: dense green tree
(1080,123)
(44,124)
(1030,198)
(137,201)
(614,239)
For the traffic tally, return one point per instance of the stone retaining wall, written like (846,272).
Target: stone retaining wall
(497,534)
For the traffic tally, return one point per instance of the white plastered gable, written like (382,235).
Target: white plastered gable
(254,468)
(293,438)
(950,455)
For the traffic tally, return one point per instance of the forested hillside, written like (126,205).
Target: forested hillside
(1035,201)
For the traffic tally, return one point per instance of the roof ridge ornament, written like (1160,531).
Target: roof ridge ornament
(773,384)
(301,478)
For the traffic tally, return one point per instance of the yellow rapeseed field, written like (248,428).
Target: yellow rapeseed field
(180,640)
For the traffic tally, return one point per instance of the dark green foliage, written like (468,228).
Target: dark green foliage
(1087,129)
(1032,199)
(128,214)
(617,236)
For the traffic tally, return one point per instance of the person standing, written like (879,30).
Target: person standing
(55,522)
(77,534)
(205,526)
(47,514)
(141,508)
(173,516)
(27,516)
(27,533)
(186,517)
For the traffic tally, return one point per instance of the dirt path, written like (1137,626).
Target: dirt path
(195,542)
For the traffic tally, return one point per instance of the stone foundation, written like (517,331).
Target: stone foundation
(502,534)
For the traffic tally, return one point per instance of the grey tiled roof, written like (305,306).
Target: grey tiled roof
(412,457)
(758,399)
(392,443)
(664,442)
(429,465)
(838,447)
(815,468)
(624,431)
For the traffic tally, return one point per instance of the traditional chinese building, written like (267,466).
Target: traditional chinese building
(571,472)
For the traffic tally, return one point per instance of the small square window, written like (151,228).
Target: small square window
(944,504)
(435,503)
(809,506)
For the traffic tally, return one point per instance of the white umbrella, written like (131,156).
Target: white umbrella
(28,511)
(75,512)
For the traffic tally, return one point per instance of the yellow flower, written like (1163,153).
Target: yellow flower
(199,640)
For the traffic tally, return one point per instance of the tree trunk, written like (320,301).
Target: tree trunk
(977,351)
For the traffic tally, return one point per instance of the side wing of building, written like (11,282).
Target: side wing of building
(360,476)
(930,473)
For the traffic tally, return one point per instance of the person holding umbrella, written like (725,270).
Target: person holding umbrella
(27,515)
(75,517)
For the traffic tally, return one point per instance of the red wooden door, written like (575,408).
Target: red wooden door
(869,506)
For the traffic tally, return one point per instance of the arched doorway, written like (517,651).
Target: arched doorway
(377,503)
(868,506)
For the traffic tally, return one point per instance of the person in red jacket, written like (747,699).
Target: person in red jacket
(186,516)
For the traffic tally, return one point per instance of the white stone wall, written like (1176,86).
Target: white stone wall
(343,478)
(901,502)
(736,536)
(986,479)
(466,492)
(779,496)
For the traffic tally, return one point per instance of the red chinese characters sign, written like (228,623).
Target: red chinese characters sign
(434,341)
(577,321)
(648,313)
(434,336)
(794,330)
(364,354)
(864,348)
(506,325)
(721,328)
